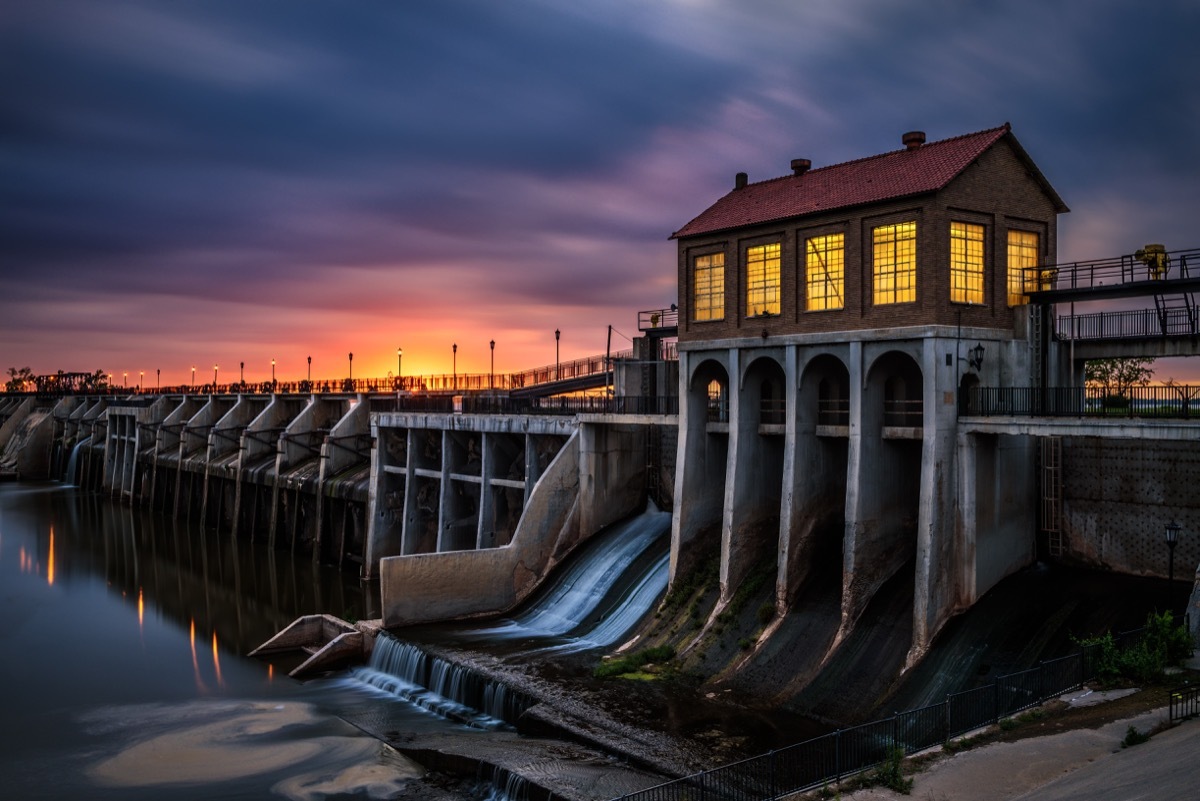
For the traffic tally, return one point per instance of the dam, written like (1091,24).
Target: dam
(864,411)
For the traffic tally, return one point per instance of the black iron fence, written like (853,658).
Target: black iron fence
(1184,704)
(1175,401)
(1137,324)
(834,756)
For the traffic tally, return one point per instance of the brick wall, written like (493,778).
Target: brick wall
(995,191)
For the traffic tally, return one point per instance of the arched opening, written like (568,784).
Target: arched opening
(701,467)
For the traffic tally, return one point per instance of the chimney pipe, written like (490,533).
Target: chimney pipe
(800,166)
(913,139)
(739,180)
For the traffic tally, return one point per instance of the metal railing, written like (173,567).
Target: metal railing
(841,753)
(658,318)
(1113,271)
(1184,704)
(1176,401)
(1138,324)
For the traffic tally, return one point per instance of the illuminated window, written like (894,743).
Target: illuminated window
(825,270)
(895,262)
(762,280)
(1022,255)
(966,263)
(708,287)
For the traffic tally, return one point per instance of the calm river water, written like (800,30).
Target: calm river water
(121,667)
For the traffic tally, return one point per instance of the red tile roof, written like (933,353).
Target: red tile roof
(888,176)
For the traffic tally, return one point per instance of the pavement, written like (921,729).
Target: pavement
(1078,765)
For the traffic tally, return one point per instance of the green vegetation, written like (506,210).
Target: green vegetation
(1134,737)
(630,664)
(890,772)
(19,380)
(1163,644)
(1117,377)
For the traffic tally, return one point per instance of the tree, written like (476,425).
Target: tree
(19,380)
(1117,376)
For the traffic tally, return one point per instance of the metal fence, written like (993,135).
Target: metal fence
(1137,324)
(834,756)
(1175,401)
(1184,704)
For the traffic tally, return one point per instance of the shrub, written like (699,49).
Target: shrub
(890,773)
(631,662)
(1134,737)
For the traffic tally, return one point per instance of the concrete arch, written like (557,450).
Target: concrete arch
(886,461)
(700,475)
(813,513)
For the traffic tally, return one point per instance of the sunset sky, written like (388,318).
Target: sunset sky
(190,183)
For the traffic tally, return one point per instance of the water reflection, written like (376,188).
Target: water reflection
(123,677)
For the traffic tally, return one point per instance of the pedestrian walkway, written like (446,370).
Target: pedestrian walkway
(1076,765)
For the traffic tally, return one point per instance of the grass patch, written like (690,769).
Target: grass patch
(631,664)
(1134,737)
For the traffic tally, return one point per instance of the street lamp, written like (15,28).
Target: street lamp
(492,371)
(214,378)
(241,372)
(193,378)
(157,378)
(310,371)
(557,374)
(399,356)
(141,379)
(1172,535)
(125,380)
(272,375)
(351,370)
(454,364)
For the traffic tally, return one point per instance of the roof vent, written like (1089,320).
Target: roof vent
(913,139)
(739,180)
(800,166)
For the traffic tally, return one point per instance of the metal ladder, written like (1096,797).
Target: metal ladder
(1052,494)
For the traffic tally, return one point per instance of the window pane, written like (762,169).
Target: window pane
(708,287)
(762,280)
(895,263)
(825,269)
(1022,255)
(966,263)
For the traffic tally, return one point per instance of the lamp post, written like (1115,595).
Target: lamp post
(557,374)
(141,379)
(214,378)
(454,364)
(241,372)
(310,372)
(1172,535)
(157,378)
(125,380)
(492,370)
(399,361)
(272,375)
(193,378)
(352,371)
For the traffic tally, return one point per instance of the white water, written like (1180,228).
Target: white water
(73,461)
(574,597)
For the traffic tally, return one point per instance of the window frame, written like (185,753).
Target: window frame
(1022,300)
(766,285)
(909,291)
(825,280)
(716,297)
(961,265)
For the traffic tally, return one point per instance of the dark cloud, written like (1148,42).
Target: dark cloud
(325,157)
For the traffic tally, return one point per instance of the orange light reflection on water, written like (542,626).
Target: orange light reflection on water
(141,608)
(217,662)
(50,560)
(195,662)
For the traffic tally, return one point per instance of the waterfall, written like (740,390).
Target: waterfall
(575,595)
(502,785)
(594,602)
(452,691)
(73,461)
